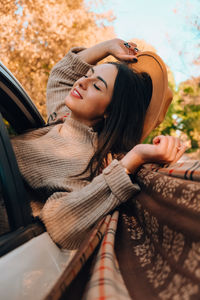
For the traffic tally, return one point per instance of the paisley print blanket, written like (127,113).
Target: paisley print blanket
(149,248)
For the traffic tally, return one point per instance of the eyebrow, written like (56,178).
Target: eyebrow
(100,78)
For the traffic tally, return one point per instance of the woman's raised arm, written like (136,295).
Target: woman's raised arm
(115,47)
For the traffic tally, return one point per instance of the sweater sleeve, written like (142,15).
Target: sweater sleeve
(69,216)
(61,79)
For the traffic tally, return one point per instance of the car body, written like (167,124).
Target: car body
(30,262)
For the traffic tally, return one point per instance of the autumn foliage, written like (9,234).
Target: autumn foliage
(35,34)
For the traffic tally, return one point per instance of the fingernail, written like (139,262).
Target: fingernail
(127,45)
(136,49)
(135,60)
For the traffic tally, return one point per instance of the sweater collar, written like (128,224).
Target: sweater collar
(80,131)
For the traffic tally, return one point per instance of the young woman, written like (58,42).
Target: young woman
(79,167)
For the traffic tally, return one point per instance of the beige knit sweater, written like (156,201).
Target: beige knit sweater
(50,156)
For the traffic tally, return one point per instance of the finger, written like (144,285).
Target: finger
(127,57)
(171,143)
(180,152)
(133,45)
(161,145)
(156,140)
(160,139)
(134,48)
(173,147)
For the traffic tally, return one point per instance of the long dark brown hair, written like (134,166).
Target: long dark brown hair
(121,130)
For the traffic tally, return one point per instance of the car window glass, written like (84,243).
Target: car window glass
(4,224)
(13,206)
(10,129)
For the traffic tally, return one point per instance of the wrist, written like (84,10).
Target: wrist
(109,46)
(112,47)
(131,176)
(131,162)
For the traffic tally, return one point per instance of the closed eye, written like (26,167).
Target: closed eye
(96,87)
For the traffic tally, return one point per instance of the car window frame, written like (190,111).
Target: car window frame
(19,101)
(18,214)
(23,226)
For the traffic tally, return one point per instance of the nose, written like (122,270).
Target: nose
(83,82)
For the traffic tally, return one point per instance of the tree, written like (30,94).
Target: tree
(35,34)
(183,116)
(189,113)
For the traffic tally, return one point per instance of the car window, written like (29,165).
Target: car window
(9,128)
(17,224)
(12,186)
(17,115)
(4,220)
(4,224)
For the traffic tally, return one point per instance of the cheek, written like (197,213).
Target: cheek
(101,105)
(106,101)
(69,102)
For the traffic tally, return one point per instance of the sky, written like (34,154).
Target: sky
(165,24)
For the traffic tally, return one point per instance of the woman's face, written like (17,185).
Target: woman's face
(91,94)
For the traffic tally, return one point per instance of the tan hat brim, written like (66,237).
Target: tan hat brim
(152,64)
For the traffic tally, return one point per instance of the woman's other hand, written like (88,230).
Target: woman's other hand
(165,149)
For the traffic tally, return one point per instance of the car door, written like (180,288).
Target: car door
(30,262)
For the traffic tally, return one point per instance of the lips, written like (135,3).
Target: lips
(75,93)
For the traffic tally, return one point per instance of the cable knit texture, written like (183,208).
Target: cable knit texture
(49,157)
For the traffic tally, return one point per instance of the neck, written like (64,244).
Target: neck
(89,123)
